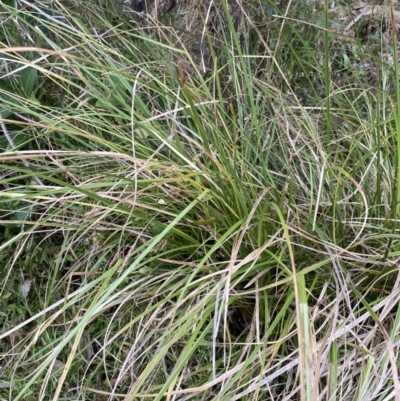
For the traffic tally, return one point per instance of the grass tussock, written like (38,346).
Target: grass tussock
(215,221)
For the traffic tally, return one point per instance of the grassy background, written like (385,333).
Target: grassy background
(206,214)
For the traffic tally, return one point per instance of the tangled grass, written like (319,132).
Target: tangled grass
(170,233)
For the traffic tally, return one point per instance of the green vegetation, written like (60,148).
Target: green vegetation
(176,228)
